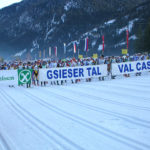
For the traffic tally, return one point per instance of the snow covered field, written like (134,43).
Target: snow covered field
(106,115)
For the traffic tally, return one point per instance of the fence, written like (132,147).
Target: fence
(20,77)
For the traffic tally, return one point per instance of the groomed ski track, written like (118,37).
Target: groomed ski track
(106,115)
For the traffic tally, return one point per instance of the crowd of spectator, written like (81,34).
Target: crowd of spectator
(72,62)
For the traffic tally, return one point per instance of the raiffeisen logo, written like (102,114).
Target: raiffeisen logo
(6,78)
(24,76)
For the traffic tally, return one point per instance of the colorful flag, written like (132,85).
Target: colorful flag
(124,51)
(50,52)
(80,56)
(103,42)
(86,44)
(74,47)
(127,33)
(55,51)
(95,55)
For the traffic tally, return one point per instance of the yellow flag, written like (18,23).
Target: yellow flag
(95,55)
(80,56)
(124,51)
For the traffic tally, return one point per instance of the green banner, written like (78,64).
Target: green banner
(24,76)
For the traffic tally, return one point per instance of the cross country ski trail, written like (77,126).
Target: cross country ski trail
(110,114)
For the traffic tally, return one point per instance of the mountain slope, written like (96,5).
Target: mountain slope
(34,25)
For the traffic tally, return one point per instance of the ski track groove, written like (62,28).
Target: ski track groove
(133,83)
(142,82)
(125,86)
(84,94)
(114,91)
(25,121)
(4,143)
(105,132)
(101,110)
(114,102)
(31,122)
(28,114)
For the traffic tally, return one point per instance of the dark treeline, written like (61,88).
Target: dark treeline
(142,44)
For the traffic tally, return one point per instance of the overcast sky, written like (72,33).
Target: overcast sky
(4,3)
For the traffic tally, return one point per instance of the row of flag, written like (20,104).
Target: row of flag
(50,52)
(74,48)
(86,49)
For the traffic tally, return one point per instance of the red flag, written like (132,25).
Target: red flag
(74,47)
(103,42)
(127,32)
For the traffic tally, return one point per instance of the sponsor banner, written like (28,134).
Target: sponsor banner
(124,51)
(130,67)
(72,73)
(95,56)
(8,77)
(24,76)
(80,56)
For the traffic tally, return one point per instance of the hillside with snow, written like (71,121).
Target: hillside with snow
(107,115)
(36,25)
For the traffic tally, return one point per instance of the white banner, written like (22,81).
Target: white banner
(8,77)
(130,67)
(68,73)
